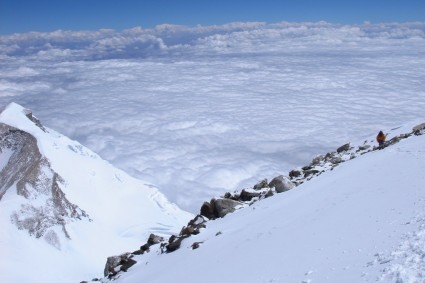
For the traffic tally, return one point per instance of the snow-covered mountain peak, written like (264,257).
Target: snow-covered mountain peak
(60,199)
(17,116)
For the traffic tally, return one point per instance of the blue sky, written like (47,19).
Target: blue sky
(18,16)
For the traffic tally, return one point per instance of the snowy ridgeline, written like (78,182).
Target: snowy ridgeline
(364,222)
(61,205)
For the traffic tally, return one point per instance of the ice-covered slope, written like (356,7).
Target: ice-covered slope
(63,209)
(363,221)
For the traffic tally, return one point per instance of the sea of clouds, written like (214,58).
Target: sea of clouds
(198,111)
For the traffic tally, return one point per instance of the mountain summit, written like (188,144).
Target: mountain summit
(63,209)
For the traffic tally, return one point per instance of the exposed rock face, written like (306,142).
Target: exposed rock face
(30,172)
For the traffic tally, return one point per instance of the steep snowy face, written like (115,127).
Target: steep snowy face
(63,205)
(26,172)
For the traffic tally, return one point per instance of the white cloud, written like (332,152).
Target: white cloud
(203,110)
(243,37)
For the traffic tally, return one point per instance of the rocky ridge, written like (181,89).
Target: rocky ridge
(230,202)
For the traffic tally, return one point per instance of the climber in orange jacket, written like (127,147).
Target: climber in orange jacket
(380,138)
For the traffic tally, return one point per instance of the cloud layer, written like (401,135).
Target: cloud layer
(203,110)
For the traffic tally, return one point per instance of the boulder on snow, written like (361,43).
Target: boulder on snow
(364,147)
(261,185)
(316,160)
(207,210)
(127,264)
(310,172)
(225,206)
(336,160)
(154,239)
(269,193)
(343,148)
(247,195)
(188,230)
(198,222)
(114,261)
(295,173)
(218,207)
(174,243)
(281,184)
(418,128)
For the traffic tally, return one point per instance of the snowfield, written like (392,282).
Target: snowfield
(364,221)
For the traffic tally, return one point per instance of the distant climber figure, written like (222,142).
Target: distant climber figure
(380,138)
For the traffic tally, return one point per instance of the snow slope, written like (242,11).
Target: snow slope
(364,221)
(122,212)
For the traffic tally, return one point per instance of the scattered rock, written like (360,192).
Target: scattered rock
(364,147)
(336,160)
(196,245)
(310,172)
(225,206)
(207,210)
(317,159)
(246,195)
(295,173)
(343,148)
(419,127)
(261,185)
(281,184)
(188,230)
(114,261)
(174,243)
(154,239)
(269,194)
(127,264)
